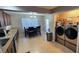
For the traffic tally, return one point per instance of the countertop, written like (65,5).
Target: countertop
(11,34)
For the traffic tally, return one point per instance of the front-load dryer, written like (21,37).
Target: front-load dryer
(60,33)
(71,34)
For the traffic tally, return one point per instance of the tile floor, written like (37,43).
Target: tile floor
(39,44)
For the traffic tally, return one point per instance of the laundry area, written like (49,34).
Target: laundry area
(67,29)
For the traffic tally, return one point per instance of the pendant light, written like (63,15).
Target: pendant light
(33,16)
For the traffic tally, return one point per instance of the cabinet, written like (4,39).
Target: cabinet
(1,19)
(4,19)
(12,48)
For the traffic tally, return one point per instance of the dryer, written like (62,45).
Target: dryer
(60,33)
(71,34)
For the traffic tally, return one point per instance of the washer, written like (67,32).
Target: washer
(71,34)
(60,33)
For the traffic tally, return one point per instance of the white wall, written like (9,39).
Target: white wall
(51,17)
(16,22)
(53,25)
(42,23)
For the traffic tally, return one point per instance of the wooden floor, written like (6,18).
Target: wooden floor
(39,44)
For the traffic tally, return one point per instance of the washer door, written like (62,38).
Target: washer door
(60,30)
(71,33)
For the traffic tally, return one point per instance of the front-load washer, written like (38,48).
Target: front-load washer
(71,33)
(60,33)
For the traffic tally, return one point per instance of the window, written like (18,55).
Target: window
(29,22)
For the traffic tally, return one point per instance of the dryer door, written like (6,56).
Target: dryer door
(60,30)
(71,33)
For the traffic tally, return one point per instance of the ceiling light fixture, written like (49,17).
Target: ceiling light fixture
(32,15)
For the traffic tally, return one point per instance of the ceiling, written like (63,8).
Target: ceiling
(48,7)
(26,13)
(40,9)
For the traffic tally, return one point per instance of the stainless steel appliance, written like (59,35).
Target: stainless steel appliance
(71,34)
(60,33)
